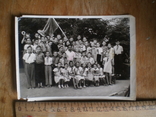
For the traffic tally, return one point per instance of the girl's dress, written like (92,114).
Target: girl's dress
(88,74)
(108,61)
(78,56)
(71,72)
(79,73)
(91,60)
(65,74)
(107,65)
(94,53)
(101,75)
(57,75)
(96,73)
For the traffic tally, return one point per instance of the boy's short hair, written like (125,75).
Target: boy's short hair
(60,47)
(84,51)
(65,64)
(54,51)
(38,47)
(49,41)
(29,47)
(70,62)
(28,39)
(89,52)
(47,51)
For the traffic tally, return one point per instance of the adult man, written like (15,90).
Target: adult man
(118,49)
(70,54)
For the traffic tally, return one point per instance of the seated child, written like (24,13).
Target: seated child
(78,75)
(59,78)
(65,75)
(88,73)
(82,81)
(101,75)
(96,74)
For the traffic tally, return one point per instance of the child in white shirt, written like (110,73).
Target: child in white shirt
(48,69)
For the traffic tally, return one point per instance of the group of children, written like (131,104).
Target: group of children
(79,62)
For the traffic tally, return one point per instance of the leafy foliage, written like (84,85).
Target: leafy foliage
(115,29)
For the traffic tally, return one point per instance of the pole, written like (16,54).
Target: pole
(60,28)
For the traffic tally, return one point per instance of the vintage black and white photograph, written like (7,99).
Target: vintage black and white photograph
(75,57)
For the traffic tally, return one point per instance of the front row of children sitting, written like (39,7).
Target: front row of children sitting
(81,75)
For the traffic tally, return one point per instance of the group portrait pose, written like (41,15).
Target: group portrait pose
(77,61)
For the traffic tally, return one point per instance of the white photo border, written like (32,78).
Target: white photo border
(132,61)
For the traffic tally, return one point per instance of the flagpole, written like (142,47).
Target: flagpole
(60,28)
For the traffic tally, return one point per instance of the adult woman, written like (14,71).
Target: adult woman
(108,62)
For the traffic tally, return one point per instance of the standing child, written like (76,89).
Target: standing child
(55,59)
(88,47)
(28,43)
(76,46)
(94,50)
(118,49)
(81,46)
(90,59)
(108,68)
(48,69)
(59,79)
(62,59)
(29,59)
(104,49)
(99,54)
(43,45)
(77,55)
(84,58)
(48,46)
(35,45)
(39,68)
(71,39)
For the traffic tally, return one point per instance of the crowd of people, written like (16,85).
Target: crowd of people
(69,62)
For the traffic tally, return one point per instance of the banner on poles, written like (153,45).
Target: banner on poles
(50,27)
